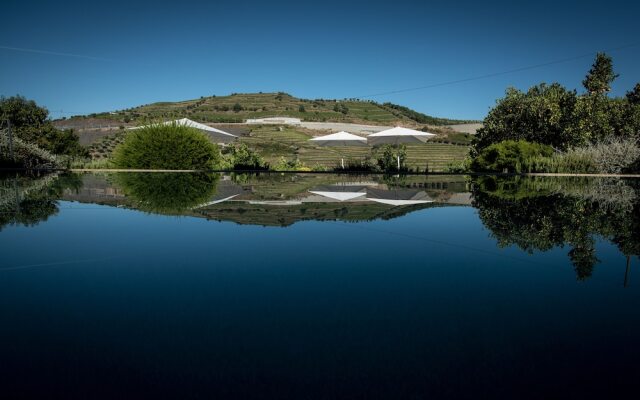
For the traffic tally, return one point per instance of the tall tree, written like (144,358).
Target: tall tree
(600,76)
(633,96)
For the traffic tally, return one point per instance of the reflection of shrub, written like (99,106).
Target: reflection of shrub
(509,156)
(168,192)
(167,147)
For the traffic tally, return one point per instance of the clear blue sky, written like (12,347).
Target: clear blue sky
(142,52)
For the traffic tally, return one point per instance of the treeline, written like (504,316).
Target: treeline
(29,137)
(572,132)
(420,117)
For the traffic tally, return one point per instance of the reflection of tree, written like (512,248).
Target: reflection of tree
(27,201)
(539,214)
(167,192)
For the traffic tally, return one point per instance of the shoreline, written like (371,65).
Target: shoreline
(320,172)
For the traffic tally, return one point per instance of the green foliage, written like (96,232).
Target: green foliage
(167,147)
(237,107)
(341,108)
(301,108)
(291,165)
(509,156)
(167,192)
(552,115)
(542,114)
(387,157)
(600,76)
(239,156)
(26,155)
(30,123)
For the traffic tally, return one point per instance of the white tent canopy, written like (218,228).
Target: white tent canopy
(341,138)
(217,134)
(399,135)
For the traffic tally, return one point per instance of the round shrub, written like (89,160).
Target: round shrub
(167,147)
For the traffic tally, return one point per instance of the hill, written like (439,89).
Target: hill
(237,107)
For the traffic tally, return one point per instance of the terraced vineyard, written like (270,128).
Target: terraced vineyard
(276,142)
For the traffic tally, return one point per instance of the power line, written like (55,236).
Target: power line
(511,71)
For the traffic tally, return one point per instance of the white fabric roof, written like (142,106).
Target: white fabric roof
(342,135)
(193,124)
(399,135)
(400,131)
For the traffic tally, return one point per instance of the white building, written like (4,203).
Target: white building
(274,120)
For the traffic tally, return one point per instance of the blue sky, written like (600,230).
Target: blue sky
(133,53)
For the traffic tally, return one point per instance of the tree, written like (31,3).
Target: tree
(30,123)
(600,76)
(387,157)
(543,114)
(633,96)
(237,107)
(241,157)
(301,108)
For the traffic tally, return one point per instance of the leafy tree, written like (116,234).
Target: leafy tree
(240,156)
(600,76)
(167,147)
(542,114)
(301,108)
(387,157)
(237,107)
(30,123)
(633,96)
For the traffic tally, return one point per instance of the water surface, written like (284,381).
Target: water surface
(318,286)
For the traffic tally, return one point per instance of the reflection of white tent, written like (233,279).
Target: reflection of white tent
(339,192)
(218,135)
(398,197)
(341,138)
(398,135)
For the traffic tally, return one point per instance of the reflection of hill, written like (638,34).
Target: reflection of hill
(275,199)
(277,215)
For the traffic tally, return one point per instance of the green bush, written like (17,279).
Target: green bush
(240,157)
(167,147)
(509,156)
(387,157)
(291,165)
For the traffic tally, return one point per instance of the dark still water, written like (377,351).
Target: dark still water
(318,286)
